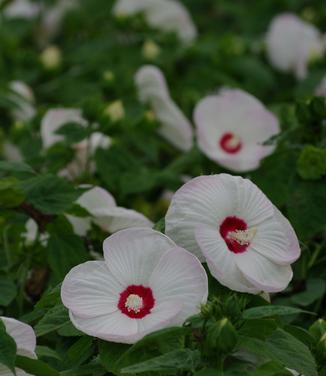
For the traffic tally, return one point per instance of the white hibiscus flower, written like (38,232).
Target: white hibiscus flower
(232,127)
(145,283)
(227,221)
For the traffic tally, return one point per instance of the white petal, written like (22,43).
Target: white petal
(114,327)
(90,290)
(203,200)
(117,218)
(11,152)
(276,240)
(180,277)
(4,371)
(163,315)
(99,140)
(263,273)
(221,261)
(291,42)
(132,254)
(152,89)
(22,334)
(95,199)
(56,118)
(81,225)
(167,15)
(252,205)
(237,112)
(22,9)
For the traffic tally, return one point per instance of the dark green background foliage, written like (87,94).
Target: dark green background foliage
(235,334)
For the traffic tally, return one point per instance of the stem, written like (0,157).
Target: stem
(41,219)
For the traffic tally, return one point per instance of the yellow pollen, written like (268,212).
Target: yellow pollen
(233,142)
(134,303)
(243,237)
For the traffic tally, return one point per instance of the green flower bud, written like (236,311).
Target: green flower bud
(312,163)
(222,336)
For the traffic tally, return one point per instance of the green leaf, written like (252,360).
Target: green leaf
(80,351)
(271,369)
(11,195)
(7,348)
(270,310)
(64,252)
(73,132)
(8,291)
(18,170)
(46,352)
(54,319)
(315,289)
(50,194)
(292,353)
(174,360)
(304,203)
(35,367)
(110,353)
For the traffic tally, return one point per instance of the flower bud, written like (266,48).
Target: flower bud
(115,111)
(51,58)
(150,50)
(222,336)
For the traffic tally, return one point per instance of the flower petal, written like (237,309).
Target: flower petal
(90,290)
(117,218)
(56,118)
(23,335)
(132,254)
(203,200)
(180,277)
(263,273)
(95,199)
(114,327)
(221,261)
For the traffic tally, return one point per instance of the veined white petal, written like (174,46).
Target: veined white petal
(221,261)
(132,254)
(113,327)
(263,273)
(22,334)
(96,199)
(90,290)
(118,218)
(203,200)
(180,277)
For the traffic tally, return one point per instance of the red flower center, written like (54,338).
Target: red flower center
(233,231)
(136,301)
(230,143)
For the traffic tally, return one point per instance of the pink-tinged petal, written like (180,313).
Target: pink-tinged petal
(152,89)
(203,200)
(180,277)
(23,335)
(263,273)
(221,261)
(113,327)
(55,119)
(96,198)
(131,254)
(118,218)
(90,290)
(237,115)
